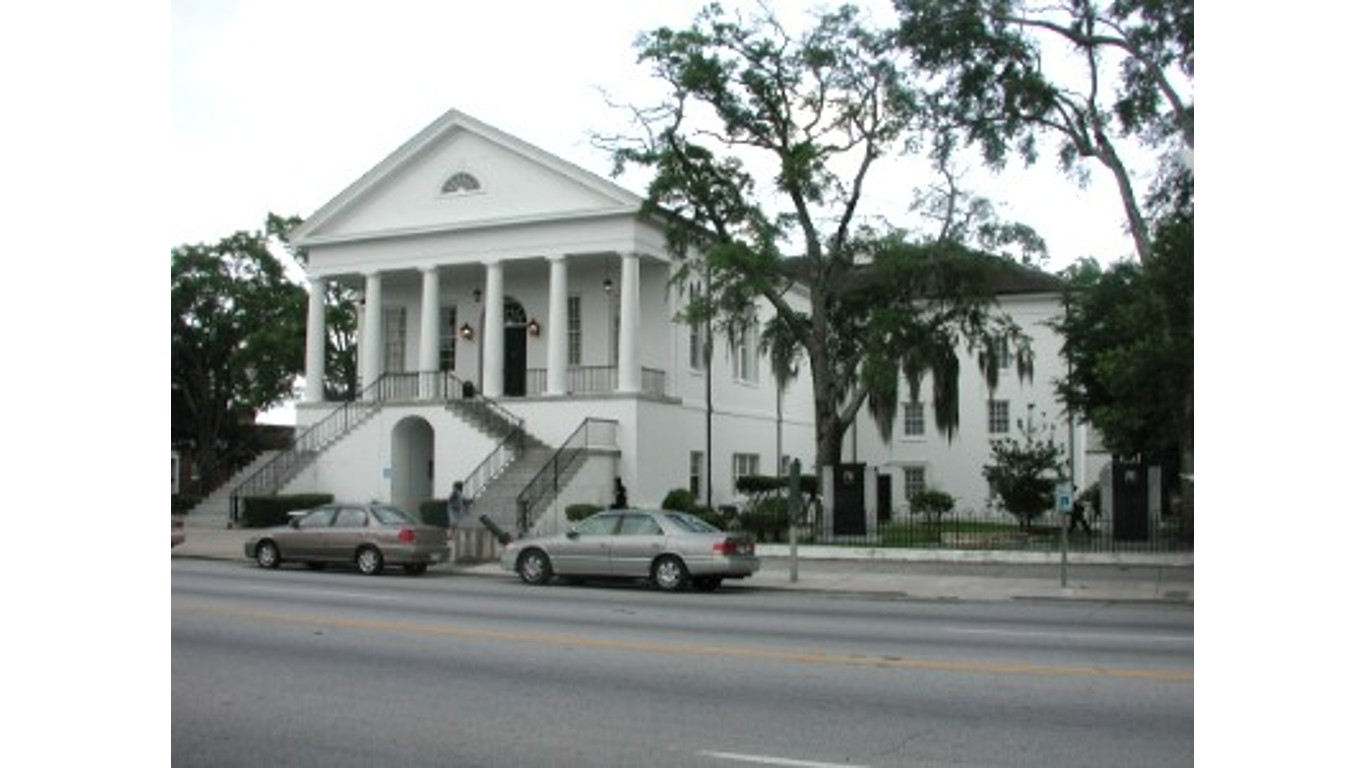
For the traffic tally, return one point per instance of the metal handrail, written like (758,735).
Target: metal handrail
(548,477)
(389,387)
(323,433)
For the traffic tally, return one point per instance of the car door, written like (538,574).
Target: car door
(305,540)
(587,549)
(639,539)
(349,528)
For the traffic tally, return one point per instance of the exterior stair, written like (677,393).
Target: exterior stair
(215,510)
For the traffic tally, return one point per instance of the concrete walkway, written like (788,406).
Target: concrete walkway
(907,574)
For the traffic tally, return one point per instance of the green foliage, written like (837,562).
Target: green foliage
(182,503)
(998,87)
(266,511)
(1130,332)
(236,325)
(1023,476)
(679,500)
(767,519)
(932,502)
(815,111)
(576,512)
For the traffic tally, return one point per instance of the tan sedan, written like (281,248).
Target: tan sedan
(369,536)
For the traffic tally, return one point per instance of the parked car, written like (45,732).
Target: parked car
(673,550)
(177,532)
(370,536)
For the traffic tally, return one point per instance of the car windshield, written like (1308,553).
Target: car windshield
(691,524)
(393,516)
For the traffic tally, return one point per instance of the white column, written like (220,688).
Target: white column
(557,324)
(429,341)
(372,346)
(493,329)
(315,344)
(628,349)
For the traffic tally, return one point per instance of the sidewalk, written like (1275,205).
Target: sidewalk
(920,575)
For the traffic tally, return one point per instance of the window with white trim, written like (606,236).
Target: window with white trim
(1001,344)
(744,355)
(450,334)
(913,479)
(743,464)
(395,333)
(575,329)
(696,350)
(913,419)
(696,471)
(998,417)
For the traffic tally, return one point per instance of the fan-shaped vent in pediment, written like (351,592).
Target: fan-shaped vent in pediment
(461,183)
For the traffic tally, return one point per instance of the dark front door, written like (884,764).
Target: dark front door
(514,360)
(849,510)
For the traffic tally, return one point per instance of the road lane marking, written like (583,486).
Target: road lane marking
(1072,635)
(769,760)
(689,649)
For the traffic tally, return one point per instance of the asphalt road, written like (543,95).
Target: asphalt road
(293,667)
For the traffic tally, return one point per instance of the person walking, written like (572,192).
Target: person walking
(457,509)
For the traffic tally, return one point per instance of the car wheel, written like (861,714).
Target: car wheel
(707,584)
(369,561)
(267,555)
(534,567)
(415,569)
(669,574)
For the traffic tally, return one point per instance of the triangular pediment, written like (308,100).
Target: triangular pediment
(461,173)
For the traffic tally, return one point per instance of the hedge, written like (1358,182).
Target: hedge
(265,511)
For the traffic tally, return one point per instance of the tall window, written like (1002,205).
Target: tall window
(743,464)
(395,331)
(575,331)
(998,417)
(449,336)
(913,421)
(696,468)
(1002,347)
(745,355)
(914,478)
(696,349)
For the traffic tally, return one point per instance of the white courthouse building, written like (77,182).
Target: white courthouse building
(515,304)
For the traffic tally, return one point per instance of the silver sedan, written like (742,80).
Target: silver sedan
(673,550)
(370,536)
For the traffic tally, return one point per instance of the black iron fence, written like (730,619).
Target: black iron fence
(973,531)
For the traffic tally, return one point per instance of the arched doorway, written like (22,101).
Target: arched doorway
(410,464)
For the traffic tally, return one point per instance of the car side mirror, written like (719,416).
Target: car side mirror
(573,534)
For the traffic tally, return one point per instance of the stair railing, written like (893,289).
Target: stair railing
(591,433)
(441,385)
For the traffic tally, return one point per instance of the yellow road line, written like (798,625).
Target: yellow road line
(763,654)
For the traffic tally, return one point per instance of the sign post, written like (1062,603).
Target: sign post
(794,506)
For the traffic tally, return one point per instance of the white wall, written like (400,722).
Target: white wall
(956,466)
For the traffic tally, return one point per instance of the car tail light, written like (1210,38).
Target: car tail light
(727,547)
(407,535)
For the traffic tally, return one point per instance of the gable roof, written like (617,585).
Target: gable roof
(614,197)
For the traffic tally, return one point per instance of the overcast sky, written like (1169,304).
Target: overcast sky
(277,105)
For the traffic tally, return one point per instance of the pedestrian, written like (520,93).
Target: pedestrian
(619,495)
(1078,515)
(457,507)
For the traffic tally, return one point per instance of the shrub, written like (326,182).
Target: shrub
(576,512)
(932,502)
(679,500)
(767,519)
(265,511)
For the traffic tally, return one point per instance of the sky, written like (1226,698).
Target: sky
(278,105)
